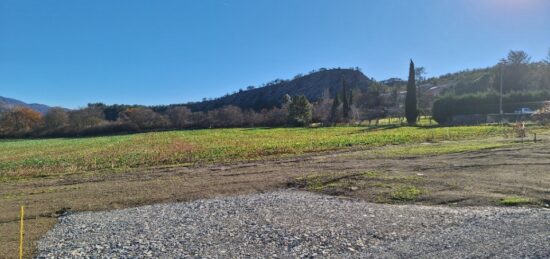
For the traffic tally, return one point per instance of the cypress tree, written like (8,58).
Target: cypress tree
(334,109)
(411,109)
(345,100)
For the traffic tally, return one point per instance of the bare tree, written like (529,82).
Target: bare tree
(227,116)
(275,116)
(252,119)
(234,115)
(375,113)
(422,91)
(56,118)
(322,108)
(420,74)
(199,120)
(180,117)
(145,118)
(85,118)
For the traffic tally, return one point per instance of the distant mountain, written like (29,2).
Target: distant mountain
(312,86)
(8,103)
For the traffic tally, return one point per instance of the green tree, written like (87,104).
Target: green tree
(411,109)
(515,69)
(300,111)
(517,57)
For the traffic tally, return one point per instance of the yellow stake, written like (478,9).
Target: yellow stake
(21,233)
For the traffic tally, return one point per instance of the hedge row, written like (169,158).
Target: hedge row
(485,103)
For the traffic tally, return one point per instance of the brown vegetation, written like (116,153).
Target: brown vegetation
(20,121)
(542,115)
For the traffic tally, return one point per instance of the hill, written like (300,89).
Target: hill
(8,103)
(270,95)
(515,77)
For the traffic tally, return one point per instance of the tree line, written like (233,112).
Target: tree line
(523,83)
(349,105)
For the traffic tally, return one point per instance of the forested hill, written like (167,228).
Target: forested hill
(519,77)
(270,95)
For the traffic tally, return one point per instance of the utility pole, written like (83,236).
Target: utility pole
(501,76)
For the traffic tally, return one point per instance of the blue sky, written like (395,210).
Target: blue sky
(71,52)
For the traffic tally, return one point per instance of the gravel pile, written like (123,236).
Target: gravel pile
(299,224)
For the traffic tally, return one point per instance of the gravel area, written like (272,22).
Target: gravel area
(299,224)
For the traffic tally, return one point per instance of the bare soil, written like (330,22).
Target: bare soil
(461,179)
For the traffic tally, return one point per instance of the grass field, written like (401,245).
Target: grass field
(20,159)
(379,164)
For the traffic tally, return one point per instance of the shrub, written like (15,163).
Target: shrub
(406,193)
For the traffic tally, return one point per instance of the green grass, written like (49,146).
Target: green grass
(20,159)
(406,193)
(516,201)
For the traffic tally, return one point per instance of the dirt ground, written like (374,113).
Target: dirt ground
(485,177)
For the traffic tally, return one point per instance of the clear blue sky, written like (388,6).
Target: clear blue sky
(71,52)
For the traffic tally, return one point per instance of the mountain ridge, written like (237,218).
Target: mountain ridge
(10,103)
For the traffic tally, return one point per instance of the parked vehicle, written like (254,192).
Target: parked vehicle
(524,111)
